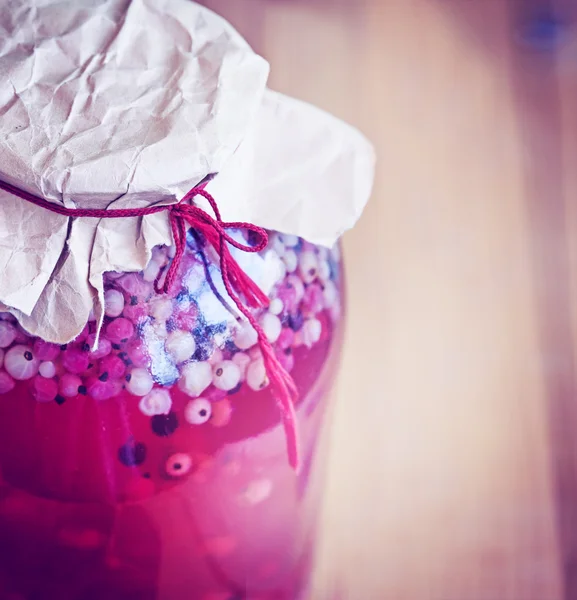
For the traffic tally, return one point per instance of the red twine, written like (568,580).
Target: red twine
(235,280)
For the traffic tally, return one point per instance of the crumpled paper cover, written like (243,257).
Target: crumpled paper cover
(131,103)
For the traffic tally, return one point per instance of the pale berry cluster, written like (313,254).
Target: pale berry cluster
(151,343)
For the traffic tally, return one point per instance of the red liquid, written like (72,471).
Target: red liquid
(241,525)
(101,501)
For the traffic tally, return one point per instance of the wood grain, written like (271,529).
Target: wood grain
(453,471)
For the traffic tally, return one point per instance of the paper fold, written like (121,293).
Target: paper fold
(130,104)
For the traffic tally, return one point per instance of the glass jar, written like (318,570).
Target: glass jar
(154,465)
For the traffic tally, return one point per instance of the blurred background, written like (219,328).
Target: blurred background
(454,463)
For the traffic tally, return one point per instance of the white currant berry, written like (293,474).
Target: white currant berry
(291,261)
(198,411)
(298,339)
(308,266)
(241,360)
(245,336)
(330,294)
(195,378)
(255,353)
(226,375)
(139,382)
(297,285)
(311,332)
(180,345)
(277,245)
(7,334)
(156,402)
(256,376)
(161,308)
(178,465)
(216,357)
(272,271)
(290,241)
(68,385)
(257,491)
(272,326)
(324,270)
(276,306)
(20,362)
(113,303)
(47,369)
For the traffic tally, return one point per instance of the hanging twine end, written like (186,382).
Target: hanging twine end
(236,281)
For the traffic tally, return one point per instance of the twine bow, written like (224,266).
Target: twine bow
(236,282)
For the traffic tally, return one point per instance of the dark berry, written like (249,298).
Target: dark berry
(132,454)
(28,355)
(295,322)
(164,425)
(201,353)
(123,356)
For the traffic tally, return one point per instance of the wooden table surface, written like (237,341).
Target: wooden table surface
(453,473)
